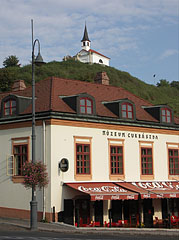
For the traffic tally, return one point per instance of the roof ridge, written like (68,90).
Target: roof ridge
(91,50)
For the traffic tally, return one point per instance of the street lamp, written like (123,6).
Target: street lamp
(38,60)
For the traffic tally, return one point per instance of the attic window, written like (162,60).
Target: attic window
(166,115)
(9,107)
(86,106)
(127,110)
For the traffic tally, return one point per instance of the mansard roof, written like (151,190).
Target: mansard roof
(49,91)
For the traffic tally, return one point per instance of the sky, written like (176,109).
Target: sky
(139,36)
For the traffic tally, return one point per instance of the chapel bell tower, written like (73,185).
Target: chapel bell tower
(85,40)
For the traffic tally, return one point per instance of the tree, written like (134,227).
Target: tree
(175,84)
(6,79)
(163,83)
(11,61)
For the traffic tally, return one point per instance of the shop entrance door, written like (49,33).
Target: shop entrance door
(148,211)
(98,209)
(82,212)
(116,210)
(68,211)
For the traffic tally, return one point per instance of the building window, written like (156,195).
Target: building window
(127,110)
(116,159)
(166,115)
(82,158)
(86,106)
(146,161)
(173,161)
(20,157)
(9,107)
(20,154)
(100,61)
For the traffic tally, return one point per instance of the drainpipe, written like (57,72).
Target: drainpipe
(44,160)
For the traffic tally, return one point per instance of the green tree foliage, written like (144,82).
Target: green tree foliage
(6,80)
(11,61)
(175,84)
(163,83)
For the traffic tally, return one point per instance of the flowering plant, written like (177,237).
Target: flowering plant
(35,174)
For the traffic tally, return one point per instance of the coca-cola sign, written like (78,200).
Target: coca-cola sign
(163,186)
(102,189)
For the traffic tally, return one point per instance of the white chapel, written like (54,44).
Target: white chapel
(88,55)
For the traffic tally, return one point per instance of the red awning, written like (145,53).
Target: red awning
(153,189)
(103,191)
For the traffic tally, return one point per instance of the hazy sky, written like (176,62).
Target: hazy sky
(140,36)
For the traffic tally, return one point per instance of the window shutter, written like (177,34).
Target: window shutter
(10,165)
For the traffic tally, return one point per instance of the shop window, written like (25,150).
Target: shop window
(173,160)
(116,159)
(20,153)
(127,110)
(10,107)
(82,158)
(146,160)
(166,115)
(86,106)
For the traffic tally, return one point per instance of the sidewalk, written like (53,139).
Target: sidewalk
(9,224)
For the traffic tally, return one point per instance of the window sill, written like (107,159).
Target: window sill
(146,177)
(17,179)
(117,177)
(81,177)
(173,177)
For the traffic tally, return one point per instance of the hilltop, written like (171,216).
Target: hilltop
(71,69)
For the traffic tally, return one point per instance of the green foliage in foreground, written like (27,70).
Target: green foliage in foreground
(161,94)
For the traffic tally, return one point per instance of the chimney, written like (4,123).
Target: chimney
(18,85)
(102,78)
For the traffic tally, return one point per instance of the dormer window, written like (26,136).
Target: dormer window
(166,115)
(86,106)
(10,107)
(127,110)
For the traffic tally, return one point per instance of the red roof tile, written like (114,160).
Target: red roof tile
(49,94)
(91,50)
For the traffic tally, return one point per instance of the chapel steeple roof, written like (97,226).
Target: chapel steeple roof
(85,36)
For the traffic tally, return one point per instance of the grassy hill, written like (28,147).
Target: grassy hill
(85,72)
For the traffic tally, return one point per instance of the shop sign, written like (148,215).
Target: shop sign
(146,195)
(115,197)
(173,195)
(163,186)
(64,165)
(99,197)
(130,197)
(102,189)
(131,135)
